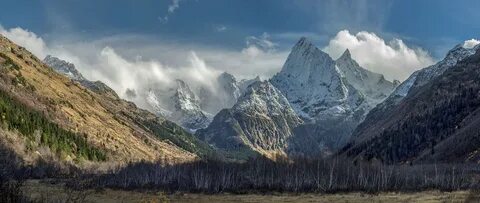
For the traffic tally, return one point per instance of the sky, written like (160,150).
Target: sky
(131,44)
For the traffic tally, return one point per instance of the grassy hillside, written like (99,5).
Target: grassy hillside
(73,120)
(40,131)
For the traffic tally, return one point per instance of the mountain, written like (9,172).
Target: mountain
(331,96)
(418,79)
(225,94)
(437,120)
(373,86)
(261,121)
(193,109)
(179,104)
(50,114)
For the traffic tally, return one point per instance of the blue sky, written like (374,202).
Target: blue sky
(435,25)
(134,44)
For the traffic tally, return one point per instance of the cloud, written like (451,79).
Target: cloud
(171,9)
(126,76)
(220,28)
(133,64)
(470,43)
(26,39)
(259,45)
(394,58)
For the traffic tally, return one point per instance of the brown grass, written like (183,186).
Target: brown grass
(38,190)
(78,109)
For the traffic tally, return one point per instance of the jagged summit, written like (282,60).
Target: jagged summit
(372,85)
(332,95)
(304,58)
(312,83)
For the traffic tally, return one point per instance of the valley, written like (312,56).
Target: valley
(222,111)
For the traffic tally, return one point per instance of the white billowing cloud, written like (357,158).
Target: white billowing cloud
(393,59)
(470,43)
(139,75)
(26,39)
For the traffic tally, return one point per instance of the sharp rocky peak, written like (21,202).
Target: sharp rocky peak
(346,55)
(306,49)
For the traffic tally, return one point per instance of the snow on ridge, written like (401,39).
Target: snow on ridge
(471,43)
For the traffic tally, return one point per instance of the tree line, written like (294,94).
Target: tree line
(292,175)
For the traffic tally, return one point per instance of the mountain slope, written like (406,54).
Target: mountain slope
(159,127)
(69,70)
(331,96)
(117,127)
(437,121)
(262,120)
(373,120)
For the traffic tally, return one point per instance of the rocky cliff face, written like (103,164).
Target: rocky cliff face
(262,120)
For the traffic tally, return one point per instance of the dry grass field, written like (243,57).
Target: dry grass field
(48,192)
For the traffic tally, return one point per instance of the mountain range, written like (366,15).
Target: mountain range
(314,106)
(309,108)
(194,109)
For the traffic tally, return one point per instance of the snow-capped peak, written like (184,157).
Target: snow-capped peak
(313,83)
(184,97)
(372,85)
(263,97)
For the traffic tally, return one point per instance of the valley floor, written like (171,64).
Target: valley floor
(48,192)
